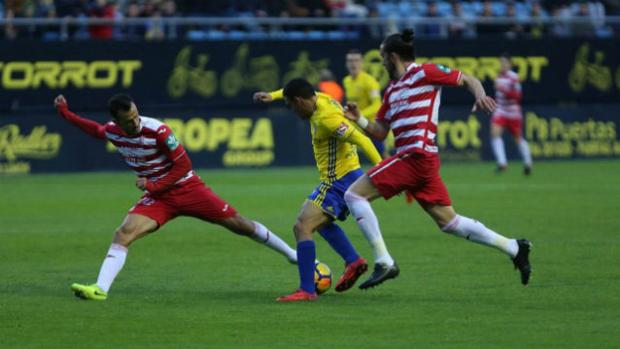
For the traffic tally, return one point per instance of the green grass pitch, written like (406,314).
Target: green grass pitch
(194,285)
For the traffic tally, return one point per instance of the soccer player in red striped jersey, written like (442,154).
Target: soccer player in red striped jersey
(170,185)
(410,109)
(508,115)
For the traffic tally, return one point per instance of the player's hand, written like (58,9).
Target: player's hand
(352,112)
(141,183)
(60,102)
(486,104)
(262,97)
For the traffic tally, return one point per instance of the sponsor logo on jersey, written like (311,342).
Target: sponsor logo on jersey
(443,68)
(342,129)
(172,142)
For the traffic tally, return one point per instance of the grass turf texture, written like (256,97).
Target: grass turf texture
(192,284)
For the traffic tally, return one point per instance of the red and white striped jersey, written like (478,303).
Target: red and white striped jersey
(411,106)
(508,95)
(151,152)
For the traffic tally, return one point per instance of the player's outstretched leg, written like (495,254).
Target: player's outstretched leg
(355,265)
(472,230)
(497,144)
(259,233)
(134,227)
(309,219)
(359,206)
(524,149)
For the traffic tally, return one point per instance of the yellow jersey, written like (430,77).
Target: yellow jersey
(335,139)
(365,91)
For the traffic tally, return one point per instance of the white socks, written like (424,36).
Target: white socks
(262,234)
(497,143)
(524,149)
(111,266)
(475,231)
(368,223)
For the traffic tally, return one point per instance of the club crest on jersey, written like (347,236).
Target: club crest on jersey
(342,129)
(443,68)
(172,142)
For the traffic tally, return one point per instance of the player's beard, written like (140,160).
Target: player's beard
(391,69)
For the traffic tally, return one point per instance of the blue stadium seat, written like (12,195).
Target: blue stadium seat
(215,35)
(196,35)
(386,9)
(316,35)
(257,35)
(499,8)
(237,35)
(444,8)
(336,35)
(295,35)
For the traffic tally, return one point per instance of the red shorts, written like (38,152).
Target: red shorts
(511,124)
(416,173)
(193,199)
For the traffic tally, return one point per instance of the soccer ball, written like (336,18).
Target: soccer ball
(322,277)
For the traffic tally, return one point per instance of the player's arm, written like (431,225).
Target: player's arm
(268,97)
(483,102)
(377,129)
(342,129)
(181,164)
(88,126)
(366,145)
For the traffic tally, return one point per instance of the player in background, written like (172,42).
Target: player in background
(508,115)
(334,141)
(170,185)
(410,109)
(363,89)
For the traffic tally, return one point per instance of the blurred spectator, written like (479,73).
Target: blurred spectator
(514,29)
(486,29)
(101,9)
(328,85)
(134,31)
(537,29)
(458,26)
(154,25)
(307,8)
(561,14)
(583,27)
(433,30)
(19,9)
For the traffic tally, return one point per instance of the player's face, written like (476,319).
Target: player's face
(389,64)
(304,107)
(505,64)
(354,63)
(129,120)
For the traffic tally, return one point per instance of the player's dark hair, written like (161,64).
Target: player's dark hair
(298,88)
(118,103)
(401,44)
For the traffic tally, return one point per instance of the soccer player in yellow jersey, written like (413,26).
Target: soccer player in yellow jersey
(362,89)
(334,141)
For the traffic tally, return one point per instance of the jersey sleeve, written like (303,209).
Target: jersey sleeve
(169,144)
(437,74)
(383,109)
(89,127)
(337,126)
(276,95)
